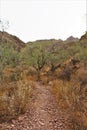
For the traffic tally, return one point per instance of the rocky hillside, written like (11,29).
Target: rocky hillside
(12,40)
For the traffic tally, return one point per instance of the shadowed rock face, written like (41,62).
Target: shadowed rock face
(84,37)
(83,40)
(11,40)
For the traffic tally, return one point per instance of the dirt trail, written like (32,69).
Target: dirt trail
(43,114)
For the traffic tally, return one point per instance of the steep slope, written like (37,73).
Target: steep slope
(6,38)
(84,37)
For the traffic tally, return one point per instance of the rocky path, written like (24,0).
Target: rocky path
(43,114)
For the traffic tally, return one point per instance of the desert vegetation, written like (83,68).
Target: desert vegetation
(60,64)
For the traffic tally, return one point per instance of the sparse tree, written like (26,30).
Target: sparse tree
(35,57)
(4,25)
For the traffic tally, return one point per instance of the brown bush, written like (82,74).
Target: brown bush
(14,98)
(72,98)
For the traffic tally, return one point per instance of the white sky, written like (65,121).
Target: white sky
(44,19)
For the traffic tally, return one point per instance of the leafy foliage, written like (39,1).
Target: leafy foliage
(8,56)
(34,56)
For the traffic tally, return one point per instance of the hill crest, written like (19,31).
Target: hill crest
(14,41)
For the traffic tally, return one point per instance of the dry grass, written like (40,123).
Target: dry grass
(72,97)
(14,98)
(71,94)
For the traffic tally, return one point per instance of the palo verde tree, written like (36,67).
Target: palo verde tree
(34,56)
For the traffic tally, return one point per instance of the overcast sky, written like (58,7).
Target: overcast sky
(44,19)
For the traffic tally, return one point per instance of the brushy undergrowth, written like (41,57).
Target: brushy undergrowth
(14,98)
(71,96)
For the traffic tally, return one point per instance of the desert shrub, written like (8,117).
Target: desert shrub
(31,71)
(14,76)
(78,51)
(8,56)
(82,55)
(57,58)
(72,97)
(14,99)
(66,74)
(34,56)
(84,81)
